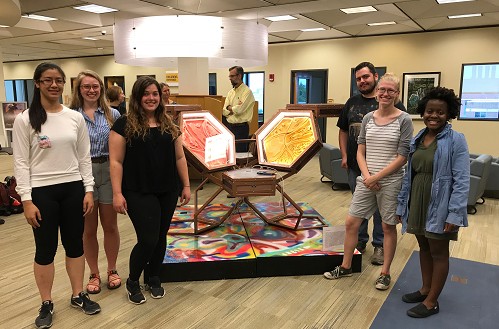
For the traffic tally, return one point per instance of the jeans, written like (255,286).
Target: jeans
(378,228)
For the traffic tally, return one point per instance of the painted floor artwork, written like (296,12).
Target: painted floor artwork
(244,246)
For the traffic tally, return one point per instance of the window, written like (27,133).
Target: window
(256,82)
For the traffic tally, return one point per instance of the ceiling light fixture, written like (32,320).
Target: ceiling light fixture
(280,18)
(90,38)
(39,17)
(4,26)
(223,41)
(314,29)
(442,2)
(464,16)
(382,23)
(356,10)
(96,9)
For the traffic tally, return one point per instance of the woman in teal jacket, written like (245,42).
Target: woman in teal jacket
(434,194)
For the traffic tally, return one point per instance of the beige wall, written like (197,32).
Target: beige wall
(436,51)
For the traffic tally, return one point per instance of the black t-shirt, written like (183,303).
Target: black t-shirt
(120,108)
(350,120)
(150,164)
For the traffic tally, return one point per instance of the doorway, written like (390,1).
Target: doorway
(310,87)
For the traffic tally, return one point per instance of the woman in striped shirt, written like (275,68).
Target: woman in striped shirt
(90,101)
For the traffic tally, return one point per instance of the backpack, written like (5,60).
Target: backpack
(10,200)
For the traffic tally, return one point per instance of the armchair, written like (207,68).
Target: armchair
(479,174)
(330,166)
(492,186)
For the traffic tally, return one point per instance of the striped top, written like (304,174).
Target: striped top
(384,142)
(98,131)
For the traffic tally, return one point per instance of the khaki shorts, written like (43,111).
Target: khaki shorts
(103,191)
(365,201)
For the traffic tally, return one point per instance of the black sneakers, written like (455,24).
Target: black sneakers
(83,302)
(135,295)
(420,311)
(45,313)
(154,286)
(337,273)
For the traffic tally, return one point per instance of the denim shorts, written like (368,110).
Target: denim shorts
(103,191)
(365,201)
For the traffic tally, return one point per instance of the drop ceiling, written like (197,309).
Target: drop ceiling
(63,38)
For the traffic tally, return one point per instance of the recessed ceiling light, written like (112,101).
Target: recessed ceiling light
(100,48)
(39,17)
(356,10)
(96,9)
(464,16)
(280,18)
(4,26)
(441,2)
(382,23)
(314,29)
(90,38)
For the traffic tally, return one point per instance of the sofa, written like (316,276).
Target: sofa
(492,186)
(479,174)
(330,166)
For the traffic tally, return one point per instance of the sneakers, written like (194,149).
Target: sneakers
(420,311)
(337,273)
(44,318)
(83,302)
(154,286)
(383,282)
(361,247)
(378,256)
(134,293)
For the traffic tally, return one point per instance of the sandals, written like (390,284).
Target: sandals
(93,285)
(113,280)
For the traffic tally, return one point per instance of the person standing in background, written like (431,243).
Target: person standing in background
(54,179)
(116,97)
(165,94)
(432,203)
(238,107)
(148,173)
(349,123)
(88,99)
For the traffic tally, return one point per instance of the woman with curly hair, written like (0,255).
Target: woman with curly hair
(89,100)
(434,194)
(148,173)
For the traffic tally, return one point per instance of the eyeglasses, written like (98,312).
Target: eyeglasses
(48,81)
(390,92)
(88,87)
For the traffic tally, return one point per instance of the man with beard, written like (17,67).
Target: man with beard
(238,107)
(349,123)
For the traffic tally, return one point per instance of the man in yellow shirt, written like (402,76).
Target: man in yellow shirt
(238,107)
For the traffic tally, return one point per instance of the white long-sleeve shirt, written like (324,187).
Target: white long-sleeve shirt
(67,160)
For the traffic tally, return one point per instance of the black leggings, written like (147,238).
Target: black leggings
(151,215)
(61,207)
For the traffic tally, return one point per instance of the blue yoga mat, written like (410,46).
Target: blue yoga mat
(470,298)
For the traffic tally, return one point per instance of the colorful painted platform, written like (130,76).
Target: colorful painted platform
(245,247)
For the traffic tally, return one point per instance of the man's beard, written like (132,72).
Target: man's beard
(367,91)
(234,84)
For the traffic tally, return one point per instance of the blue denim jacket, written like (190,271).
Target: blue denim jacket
(450,184)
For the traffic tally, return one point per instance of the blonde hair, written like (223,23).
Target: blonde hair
(77,99)
(393,79)
(137,122)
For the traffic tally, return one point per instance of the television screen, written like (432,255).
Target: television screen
(479,92)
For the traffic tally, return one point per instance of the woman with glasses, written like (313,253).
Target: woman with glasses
(88,99)
(434,195)
(383,141)
(148,173)
(54,179)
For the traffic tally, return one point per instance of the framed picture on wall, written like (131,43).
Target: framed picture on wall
(381,70)
(414,88)
(114,81)
(10,110)
(146,75)
(73,80)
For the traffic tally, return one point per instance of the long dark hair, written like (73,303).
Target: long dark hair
(137,122)
(37,114)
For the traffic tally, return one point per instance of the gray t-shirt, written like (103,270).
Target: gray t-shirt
(384,142)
